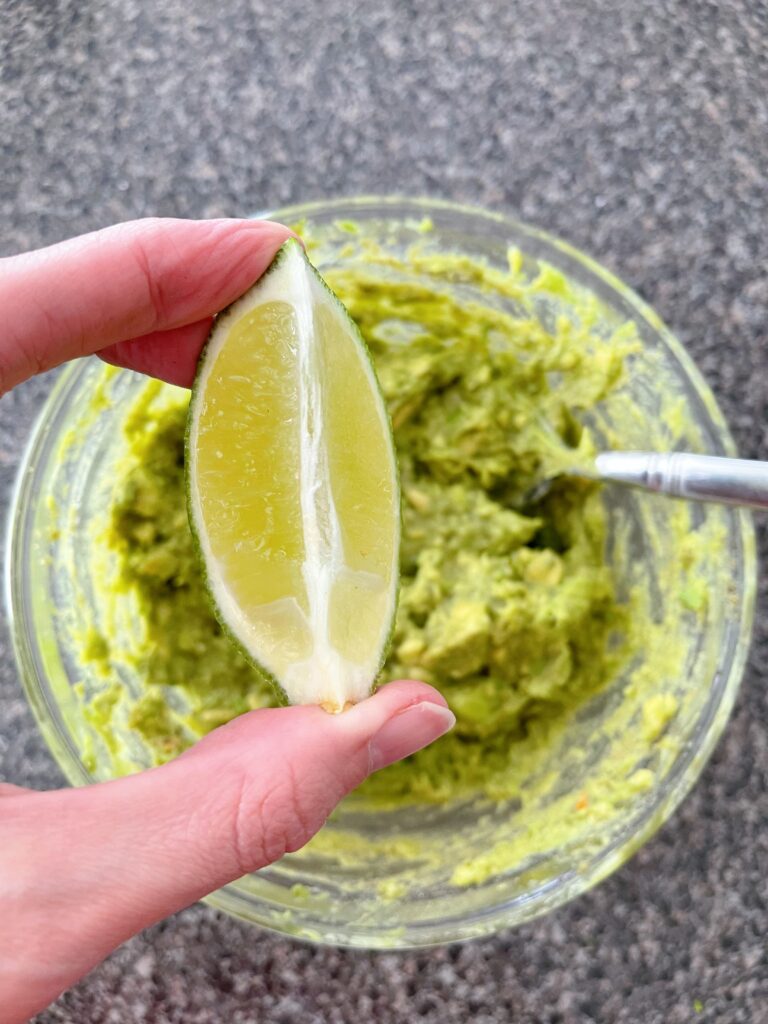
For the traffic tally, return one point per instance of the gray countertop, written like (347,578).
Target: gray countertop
(639,131)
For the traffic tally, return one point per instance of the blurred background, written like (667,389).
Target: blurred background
(638,132)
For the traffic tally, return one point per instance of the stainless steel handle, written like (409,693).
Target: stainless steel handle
(683,475)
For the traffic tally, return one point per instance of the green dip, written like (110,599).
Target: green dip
(508,609)
(513,610)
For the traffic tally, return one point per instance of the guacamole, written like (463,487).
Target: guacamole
(576,636)
(506,603)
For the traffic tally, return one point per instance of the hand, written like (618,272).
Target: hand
(83,869)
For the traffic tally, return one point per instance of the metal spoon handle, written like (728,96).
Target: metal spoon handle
(683,475)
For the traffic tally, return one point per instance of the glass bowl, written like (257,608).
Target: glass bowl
(430,874)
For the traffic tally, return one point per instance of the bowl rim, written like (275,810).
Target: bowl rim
(638,829)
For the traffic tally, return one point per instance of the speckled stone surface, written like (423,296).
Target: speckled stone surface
(637,131)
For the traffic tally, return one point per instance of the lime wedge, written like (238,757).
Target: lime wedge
(292,487)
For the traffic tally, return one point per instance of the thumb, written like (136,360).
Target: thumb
(137,849)
(280,772)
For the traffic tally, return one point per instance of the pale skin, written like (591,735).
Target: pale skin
(81,870)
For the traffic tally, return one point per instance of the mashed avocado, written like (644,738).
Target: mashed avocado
(507,607)
(576,636)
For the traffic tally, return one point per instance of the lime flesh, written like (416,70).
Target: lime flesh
(292,485)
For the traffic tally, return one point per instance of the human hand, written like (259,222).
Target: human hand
(83,869)
(141,294)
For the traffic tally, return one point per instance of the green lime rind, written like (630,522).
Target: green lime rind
(282,254)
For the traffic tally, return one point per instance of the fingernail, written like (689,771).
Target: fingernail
(411,729)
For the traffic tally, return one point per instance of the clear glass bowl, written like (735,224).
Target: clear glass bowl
(392,890)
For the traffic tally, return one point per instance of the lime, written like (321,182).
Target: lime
(292,487)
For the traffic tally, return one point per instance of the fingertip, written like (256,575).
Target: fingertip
(236,253)
(259,239)
(270,227)
(400,718)
(410,730)
(281,231)
(190,270)
(408,691)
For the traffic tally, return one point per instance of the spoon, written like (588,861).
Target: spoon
(677,474)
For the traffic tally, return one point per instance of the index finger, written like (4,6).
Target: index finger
(125,282)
